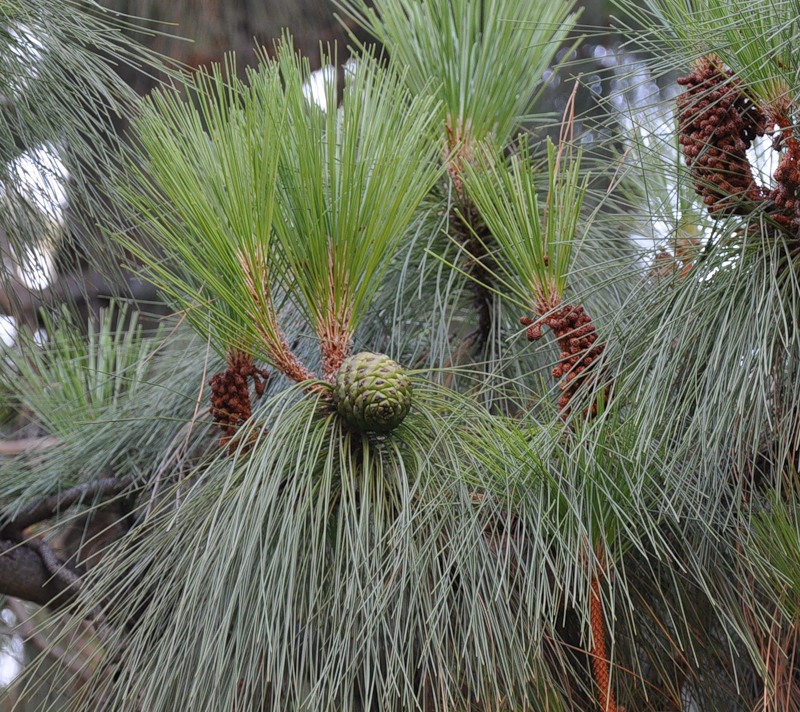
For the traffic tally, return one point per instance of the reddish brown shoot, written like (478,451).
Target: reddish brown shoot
(335,330)
(599,652)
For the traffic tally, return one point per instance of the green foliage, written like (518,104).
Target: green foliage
(115,400)
(488,58)
(351,181)
(72,378)
(324,551)
(535,236)
(205,192)
(258,195)
(772,549)
(462,559)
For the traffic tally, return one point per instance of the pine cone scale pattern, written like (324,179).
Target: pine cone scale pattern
(371,392)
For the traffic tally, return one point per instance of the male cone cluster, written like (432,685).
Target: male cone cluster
(371,392)
(230,393)
(577,339)
(717,125)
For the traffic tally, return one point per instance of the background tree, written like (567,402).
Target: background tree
(570,484)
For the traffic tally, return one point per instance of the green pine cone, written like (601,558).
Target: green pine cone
(371,392)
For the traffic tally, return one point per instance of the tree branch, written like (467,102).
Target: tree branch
(30,569)
(46,508)
(53,564)
(87,288)
(24,575)
(21,445)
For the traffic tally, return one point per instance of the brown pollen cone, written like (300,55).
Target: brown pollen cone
(578,340)
(787,174)
(717,124)
(230,393)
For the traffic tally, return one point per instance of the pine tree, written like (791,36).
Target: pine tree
(427,428)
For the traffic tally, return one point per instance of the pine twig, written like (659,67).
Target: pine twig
(49,507)
(70,580)
(22,445)
(599,653)
(53,564)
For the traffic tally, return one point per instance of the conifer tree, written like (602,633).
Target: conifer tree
(428,429)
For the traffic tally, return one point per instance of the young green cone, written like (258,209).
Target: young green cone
(371,392)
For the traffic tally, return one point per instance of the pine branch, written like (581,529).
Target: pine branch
(22,445)
(29,568)
(49,507)
(599,653)
(87,287)
(57,568)
(24,574)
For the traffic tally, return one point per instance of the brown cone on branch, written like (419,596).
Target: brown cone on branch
(577,338)
(717,124)
(786,211)
(230,393)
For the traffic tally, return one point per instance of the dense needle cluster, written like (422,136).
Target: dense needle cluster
(577,339)
(717,124)
(230,393)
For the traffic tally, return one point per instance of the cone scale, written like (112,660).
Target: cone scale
(371,392)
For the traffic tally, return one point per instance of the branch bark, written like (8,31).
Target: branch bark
(24,575)
(88,290)
(49,507)
(21,445)
(29,568)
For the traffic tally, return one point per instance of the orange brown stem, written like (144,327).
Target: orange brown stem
(335,325)
(599,652)
(256,275)
(335,337)
(458,153)
(288,363)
